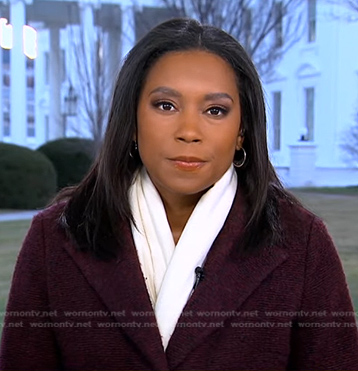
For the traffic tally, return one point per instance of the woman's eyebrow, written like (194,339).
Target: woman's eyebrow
(174,93)
(214,96)
(167,91)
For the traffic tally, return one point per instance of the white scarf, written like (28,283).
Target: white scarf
(169,270)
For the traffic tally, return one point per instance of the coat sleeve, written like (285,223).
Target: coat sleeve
(23,346)
(324,336)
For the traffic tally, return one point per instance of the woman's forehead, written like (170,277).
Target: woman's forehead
(192,69)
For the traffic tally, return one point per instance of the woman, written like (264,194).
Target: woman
(180,249)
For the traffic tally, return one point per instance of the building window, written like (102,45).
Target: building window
(309,109)
(30,126)
(6,80)
(30,82)
(6,68)
(276,120)
(6,57)
(30,119)
(278,24)
(311,17)
(6,122)
(30,64)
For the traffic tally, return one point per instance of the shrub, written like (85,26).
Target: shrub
(71,157)
(27,178)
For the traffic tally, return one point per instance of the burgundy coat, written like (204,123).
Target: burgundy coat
(273,311)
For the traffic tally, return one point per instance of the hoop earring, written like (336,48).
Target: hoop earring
(240,163)
(134,150)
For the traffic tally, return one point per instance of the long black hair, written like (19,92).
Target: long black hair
(96,207)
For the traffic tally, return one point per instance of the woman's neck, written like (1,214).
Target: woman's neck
(178,210)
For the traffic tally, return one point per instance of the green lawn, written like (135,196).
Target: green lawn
(340,212)
(351,190)
(11,237)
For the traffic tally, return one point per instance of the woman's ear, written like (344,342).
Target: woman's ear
(240,139)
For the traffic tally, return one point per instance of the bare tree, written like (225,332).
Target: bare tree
(351,4)
(93,84)
(266,29)
(347,10)
(350,142)
(93,69)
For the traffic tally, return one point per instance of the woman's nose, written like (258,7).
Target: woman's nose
(189,127)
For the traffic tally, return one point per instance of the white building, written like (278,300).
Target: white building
(312,94)
(34,92)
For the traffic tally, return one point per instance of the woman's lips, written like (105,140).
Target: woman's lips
(188,163)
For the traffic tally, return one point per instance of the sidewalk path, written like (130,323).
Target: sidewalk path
(18,215)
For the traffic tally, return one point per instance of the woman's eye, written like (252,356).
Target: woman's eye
(217,111)
(165,106)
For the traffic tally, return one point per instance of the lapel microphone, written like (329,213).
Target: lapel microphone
(199,276)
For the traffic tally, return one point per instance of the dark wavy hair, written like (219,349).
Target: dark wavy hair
(96,207)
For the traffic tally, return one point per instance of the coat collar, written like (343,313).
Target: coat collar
(228,282)
(120,286)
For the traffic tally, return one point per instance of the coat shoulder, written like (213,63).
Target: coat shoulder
(291,212)
(48,225)
(299,224)
(53,212)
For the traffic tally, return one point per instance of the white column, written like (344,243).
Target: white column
(56,129)
(40,88)
(87,87)
(128,29)
(1,101)
(89,35)
(18,109)
(88,22)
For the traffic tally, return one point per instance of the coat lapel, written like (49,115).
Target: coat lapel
(121,287)
(228,282)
